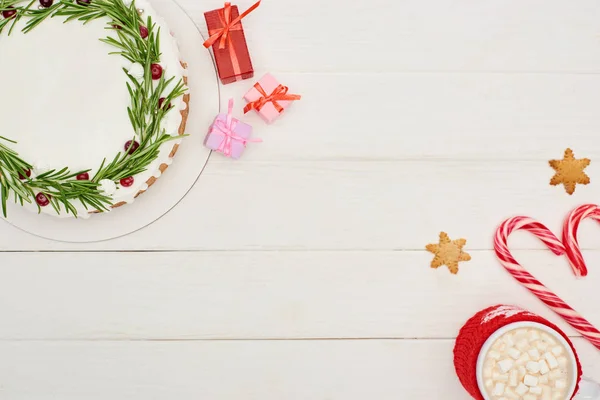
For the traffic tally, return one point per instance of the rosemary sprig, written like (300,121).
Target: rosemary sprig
(20,12)
(61,186)
(36,17)
(4,6)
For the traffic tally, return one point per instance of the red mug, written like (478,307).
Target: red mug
(484,328)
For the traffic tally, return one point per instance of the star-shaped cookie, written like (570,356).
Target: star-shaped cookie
(569,171)
(448,252)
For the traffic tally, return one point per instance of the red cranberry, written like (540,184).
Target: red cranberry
(161,101)
(131,146)
(27,172)
(46,3)
(126,182)
(143,32)
(157,71)
(42,199)
(83,177)
(9,12)
(117,27)
(84,2)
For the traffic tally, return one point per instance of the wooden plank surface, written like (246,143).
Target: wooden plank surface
(266,295)
(299,272)
(379,205)
(233,370)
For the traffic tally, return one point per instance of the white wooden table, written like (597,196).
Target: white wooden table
(299,272)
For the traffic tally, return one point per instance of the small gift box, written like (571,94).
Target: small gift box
(229,43)
(228,135)
(269,98)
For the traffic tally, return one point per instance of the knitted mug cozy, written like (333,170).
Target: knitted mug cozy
(479,328)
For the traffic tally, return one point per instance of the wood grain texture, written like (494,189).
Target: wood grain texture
(267,295)
(299,271)
(233,370)
(379,36)
(378,205)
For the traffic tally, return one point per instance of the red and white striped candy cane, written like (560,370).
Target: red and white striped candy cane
(570,236)
(555,303)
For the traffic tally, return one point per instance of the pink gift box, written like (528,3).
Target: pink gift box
(231,145)
(269,98)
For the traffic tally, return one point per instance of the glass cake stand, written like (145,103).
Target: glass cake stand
(179,178)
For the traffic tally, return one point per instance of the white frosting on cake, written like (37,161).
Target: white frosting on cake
(64,98)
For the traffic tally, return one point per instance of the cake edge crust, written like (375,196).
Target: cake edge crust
(163,167)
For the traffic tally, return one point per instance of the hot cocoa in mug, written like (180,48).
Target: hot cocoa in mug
(506,353)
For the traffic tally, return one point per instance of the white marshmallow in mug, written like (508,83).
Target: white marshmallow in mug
(527,364)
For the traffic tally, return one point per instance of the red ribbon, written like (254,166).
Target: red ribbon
(228,26)
(279,94)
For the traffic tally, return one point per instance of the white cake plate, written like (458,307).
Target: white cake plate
(177,180)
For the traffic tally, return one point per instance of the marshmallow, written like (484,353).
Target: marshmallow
(522,344)
(552,361)
(548,339)
(535,390)
(521,389)
(534,354)
(534,335)
(523,359)
(530,380)
(533,367)
(508,340)
(557,350)
(499,345)
(513,379)
(546,392)
(487,372)
(524,365)
(500,377)
(555,374)
(506,364)
(514,353)
(499,389)
(562,362)
(541,346)
(544,368)
(511,395)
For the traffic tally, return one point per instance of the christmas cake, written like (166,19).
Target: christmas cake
(94,103)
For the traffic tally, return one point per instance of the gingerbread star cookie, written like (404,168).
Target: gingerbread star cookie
(569,171)
(448,252)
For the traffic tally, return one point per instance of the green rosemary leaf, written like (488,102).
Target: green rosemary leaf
(55,205)
(4,194)
(38,16)
(7,139)
(145,116)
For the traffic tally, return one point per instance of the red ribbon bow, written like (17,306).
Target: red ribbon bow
(279,94)
(228,26)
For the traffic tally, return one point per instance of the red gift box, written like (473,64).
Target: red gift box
(229,43)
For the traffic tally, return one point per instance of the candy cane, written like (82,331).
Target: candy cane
(555,303)
(570,236)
